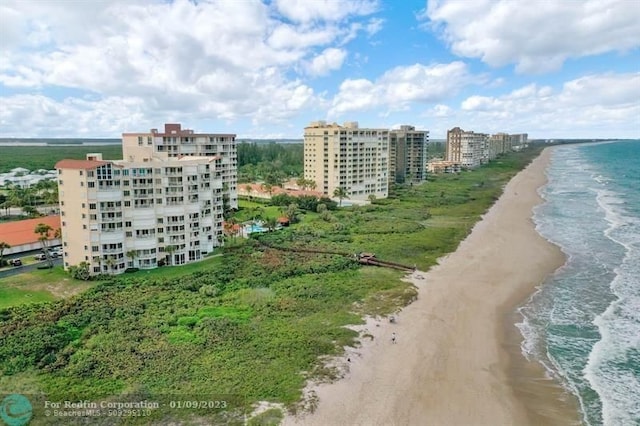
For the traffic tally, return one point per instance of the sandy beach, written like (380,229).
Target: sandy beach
(456,359)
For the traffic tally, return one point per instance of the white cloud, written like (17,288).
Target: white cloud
(324,10)
(537,36)
(329,60)
(594,103)
(397,88)
(226,59)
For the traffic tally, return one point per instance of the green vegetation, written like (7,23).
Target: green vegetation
(272,163)
(39,286)
(253,324)
(45,157)
(12,297)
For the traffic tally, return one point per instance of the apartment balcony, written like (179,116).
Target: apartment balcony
(109,194)
(109,237)
(111,219)
(144,243)
(112,251)
(111,209)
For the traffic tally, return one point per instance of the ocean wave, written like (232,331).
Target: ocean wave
(583,322)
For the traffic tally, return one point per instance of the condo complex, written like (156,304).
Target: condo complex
(164,203)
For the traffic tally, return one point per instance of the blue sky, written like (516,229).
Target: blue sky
(265,69)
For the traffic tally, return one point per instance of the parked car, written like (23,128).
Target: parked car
(15,262)
(56,252)
(40,256)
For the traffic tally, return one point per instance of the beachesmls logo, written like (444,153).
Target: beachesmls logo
(15,410)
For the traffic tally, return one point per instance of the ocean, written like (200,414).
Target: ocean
(583,323)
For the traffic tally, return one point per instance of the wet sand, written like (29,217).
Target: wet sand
(457,358)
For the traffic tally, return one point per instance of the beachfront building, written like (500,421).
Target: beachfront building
(349,157)
(443,166)
(499,143)
(140,213)
(176,142)
(519,141)
(465,147)
(408,155)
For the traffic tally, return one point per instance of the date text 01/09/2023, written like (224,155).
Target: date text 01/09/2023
(197,404)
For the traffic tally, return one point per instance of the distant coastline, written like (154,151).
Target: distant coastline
(57,142)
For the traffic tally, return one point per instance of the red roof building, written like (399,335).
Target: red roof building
(21,236)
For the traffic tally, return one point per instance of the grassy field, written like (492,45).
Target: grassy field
(252,325)
(39,286)
(45,157)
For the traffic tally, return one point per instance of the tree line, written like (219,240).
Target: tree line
(272,163)
(43,193)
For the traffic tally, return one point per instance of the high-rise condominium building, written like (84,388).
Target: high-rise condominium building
(175,142)
(349,157)
(466,148)
(408,154)
(162,204)
(499,143)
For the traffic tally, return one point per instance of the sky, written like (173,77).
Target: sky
(266,69)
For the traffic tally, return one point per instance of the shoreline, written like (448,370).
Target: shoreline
(457,357)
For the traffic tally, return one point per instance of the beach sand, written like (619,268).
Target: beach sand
(456,359)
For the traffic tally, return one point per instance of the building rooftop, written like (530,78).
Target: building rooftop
(79,164)
(22,231)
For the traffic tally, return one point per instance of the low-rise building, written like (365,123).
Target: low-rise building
(443,166)
(21,235)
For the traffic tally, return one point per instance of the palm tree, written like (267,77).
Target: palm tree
(43,230)
(170,250)
(268,188)
(302,183)
(271,223)
(312,184)
(291,211)
(372,198)
(341,193)
(132,254)
(3,247)
(110,262)
(249,190)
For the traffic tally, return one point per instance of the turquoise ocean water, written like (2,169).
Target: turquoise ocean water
(583,323)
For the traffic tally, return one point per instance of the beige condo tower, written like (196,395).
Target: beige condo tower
(160,205)
(350,157)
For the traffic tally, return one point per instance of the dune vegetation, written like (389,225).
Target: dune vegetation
(252,324)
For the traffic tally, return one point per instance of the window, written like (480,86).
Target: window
(81,183)
(90,173)
(86,247)
(89,184)
(139,140)
(81,172)
(92,206)
(127,224)
(95,248)
(127,203)
(84,226)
